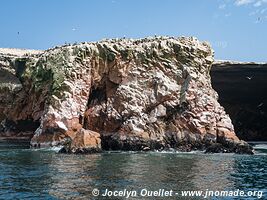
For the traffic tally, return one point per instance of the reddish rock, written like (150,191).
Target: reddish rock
(151,93)
(85,141)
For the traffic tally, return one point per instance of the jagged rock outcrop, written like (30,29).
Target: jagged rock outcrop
(85,141)
(152,93)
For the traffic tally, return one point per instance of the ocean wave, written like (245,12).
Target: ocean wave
(260,146)
(55,149)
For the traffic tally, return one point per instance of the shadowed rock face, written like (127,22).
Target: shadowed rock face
(242,90)
(152,93)
(20,108)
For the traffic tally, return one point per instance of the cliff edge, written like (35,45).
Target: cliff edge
(120,94)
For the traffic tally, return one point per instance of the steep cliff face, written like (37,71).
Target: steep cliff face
(19,109)
(152,93)
(242,92)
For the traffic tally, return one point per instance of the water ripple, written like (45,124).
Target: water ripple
(44,174)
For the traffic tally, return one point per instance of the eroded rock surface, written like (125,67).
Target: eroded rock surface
(152,93)
(20,107)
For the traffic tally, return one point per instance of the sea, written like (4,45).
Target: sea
(27,173)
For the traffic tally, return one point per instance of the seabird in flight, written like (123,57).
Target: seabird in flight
(261,104)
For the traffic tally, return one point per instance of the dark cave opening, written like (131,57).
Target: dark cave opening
(98,100)
(21,129)
(27,125)
(96,96)
(20,66)
(242,90)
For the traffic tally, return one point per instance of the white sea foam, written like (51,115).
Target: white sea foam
(260,146)
(172,151)
(55,149)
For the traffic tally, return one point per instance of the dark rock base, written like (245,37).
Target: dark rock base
(109,143)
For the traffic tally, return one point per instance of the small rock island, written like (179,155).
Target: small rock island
(119,94)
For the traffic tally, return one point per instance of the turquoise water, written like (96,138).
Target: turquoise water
(43,174)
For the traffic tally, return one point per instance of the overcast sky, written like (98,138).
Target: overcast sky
(237,29)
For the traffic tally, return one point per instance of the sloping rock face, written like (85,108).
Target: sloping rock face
(152,93)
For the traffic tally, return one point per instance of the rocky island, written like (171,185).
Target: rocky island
(119,94)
